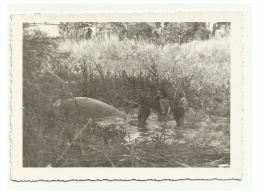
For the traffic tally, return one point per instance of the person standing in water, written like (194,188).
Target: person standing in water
(165,108)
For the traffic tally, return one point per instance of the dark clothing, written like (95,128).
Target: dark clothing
(178,114)
(165,107)
(143,113)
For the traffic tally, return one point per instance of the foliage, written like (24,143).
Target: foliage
(115,71)
(118,71)
(40,55)
(157,32)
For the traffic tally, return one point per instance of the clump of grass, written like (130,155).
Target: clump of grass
(144,153)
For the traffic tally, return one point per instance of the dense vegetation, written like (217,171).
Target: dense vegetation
(194,70)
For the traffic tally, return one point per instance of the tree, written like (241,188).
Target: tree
(158,32)
(40,55)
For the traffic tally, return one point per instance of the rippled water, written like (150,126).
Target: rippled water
(152,126)
(203,131)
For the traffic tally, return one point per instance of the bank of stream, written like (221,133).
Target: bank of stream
(201,141)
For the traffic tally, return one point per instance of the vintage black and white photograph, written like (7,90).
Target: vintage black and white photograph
(126,94)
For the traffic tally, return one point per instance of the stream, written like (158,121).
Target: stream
(196,131)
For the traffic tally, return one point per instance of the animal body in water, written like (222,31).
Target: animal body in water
(89,107)
(165,108)
(143,111)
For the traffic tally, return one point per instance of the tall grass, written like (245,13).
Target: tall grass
(132,67)
(118,72)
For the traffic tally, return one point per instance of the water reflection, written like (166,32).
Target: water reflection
(201,133)
(153,126)
(142,127)
(141,130)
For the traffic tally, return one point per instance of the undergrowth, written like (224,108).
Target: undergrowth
(196,75)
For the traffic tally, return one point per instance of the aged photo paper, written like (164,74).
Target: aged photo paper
(126,96)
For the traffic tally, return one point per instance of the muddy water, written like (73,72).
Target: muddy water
(195,131)
(135,130)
